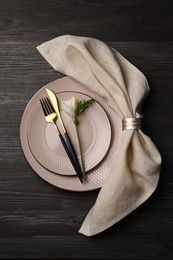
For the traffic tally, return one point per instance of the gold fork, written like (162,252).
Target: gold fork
(51,117)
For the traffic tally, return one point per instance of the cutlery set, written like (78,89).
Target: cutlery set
(51,112)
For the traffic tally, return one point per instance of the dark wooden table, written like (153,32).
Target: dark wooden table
(37,220)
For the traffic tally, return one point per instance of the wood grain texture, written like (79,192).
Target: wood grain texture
(107,20)
(37,220)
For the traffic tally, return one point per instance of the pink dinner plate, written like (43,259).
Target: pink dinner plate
(98,169)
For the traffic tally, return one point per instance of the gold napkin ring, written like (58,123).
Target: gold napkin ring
(131,123)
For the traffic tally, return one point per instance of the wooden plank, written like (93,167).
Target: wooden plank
(106,20)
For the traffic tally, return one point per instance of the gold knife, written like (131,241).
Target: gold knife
(54,101)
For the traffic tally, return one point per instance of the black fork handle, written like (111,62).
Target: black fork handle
(73,153)
(70,157)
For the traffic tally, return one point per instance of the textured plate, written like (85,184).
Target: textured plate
(94,129)
(98,175)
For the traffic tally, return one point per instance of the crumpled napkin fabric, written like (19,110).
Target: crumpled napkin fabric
(135,168)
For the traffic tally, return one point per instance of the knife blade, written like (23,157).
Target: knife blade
(55,104)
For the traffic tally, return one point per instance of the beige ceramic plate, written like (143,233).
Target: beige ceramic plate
(94,129)
(98,175)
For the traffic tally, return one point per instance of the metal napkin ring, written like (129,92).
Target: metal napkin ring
(132,123)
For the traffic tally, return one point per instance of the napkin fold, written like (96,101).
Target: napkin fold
(135,168)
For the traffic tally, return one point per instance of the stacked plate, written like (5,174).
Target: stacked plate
(99,127)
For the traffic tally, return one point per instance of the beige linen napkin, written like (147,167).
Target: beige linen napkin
(135,168)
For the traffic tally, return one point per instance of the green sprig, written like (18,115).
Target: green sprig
(81,106)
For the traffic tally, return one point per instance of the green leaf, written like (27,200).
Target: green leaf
(82,105)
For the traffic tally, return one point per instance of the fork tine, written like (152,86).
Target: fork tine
(47,106)
(43,106)
(48,109)
(50,105)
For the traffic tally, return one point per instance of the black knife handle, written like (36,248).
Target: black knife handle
(70,157)
(73,153)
